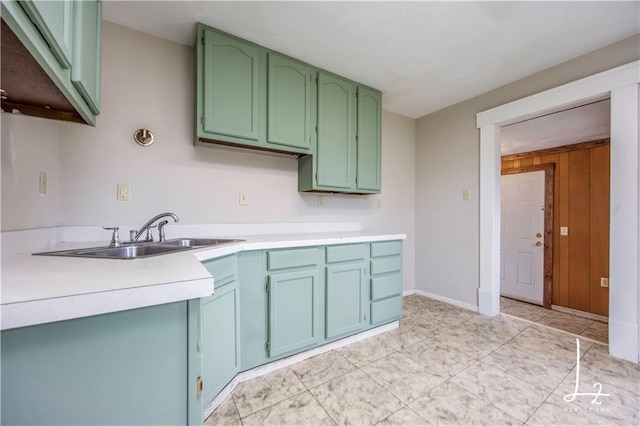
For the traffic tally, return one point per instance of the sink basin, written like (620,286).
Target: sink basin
(197,242)
(123,252)
(138,250)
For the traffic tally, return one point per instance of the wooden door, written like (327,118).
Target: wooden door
(294,311)
(345,299)
(334,157)
(521,237)
(231,87)
(368,140)
(289,102)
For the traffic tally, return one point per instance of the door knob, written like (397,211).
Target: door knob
(538,235)
(538,244)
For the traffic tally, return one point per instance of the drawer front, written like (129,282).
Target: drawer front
(344,253)
(386,248)
(386,264)
(388,285)
(282,259)
(223,269)
(386,310)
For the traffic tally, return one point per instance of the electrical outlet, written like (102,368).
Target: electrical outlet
(378,203)
(43,183)
(244,199)
(604,282)
(564,230)
(466,194)
(124,192)
(320,201)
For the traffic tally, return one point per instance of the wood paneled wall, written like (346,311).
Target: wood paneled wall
(581,203)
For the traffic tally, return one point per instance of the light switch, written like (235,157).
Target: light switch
(564,230)
(466,194)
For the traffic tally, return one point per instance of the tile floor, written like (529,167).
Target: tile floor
(588,328)
(444,365)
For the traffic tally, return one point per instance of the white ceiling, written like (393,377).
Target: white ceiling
(586,123)
(423,56)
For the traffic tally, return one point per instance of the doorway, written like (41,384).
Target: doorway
(621,84)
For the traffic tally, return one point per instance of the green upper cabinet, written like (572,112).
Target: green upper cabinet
(368,138)
(54,20)
(336,101)
(231,87)
(289,102)
(64,38)
(87,52)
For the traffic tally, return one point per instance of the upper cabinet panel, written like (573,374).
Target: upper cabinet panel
(87,52)
(231,87)
(54,20)
(289,106)
(336,98)
(369,139)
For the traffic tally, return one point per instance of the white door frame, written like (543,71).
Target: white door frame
(621,85)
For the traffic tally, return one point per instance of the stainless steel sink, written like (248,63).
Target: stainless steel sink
(197,242)
(138,250)
(123,252)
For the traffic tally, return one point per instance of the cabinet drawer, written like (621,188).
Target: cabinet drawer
(344,253)
(386,248)
(388,285)
(223,269)
(386,310)
(295,258)
(386,264)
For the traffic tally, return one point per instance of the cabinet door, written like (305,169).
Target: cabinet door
(85,71)
(335,132)
(368,140)
(294,311)
(346,301)
(289,105)
(221,339)
(231,87)
(54,19)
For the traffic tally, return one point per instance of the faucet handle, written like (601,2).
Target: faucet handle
(149,236)
(115,237)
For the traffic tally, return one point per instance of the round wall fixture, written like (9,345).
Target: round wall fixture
(143,137)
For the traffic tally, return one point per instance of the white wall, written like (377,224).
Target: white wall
(147,82)
(29,146)
(447,161)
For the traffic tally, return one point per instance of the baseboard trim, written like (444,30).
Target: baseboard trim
(454,302)
(291,360)
(408,292)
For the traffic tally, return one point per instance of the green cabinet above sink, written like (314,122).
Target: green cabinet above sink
(252,97)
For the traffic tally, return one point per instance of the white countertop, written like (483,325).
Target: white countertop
(41,289)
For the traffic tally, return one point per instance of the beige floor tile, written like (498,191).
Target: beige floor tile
(225,414)
(256,394)
(439,355)
(553,412)
(425,324)
(527,311)
(322,368)
(505,302)
(506,392)
(356,399)
(365,351)
(301,409)
(549,345)
(475,343)
(527,368)
(597,331)
(565,322)
(403,377)
(401,337)
(598,366)
(501,328)
(450,404)
(449,314)
(405,416)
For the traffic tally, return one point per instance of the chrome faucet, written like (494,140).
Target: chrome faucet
(147,227)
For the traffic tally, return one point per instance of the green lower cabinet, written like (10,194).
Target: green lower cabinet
(295,311)
(122,368)
(346,299)
(221,339)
